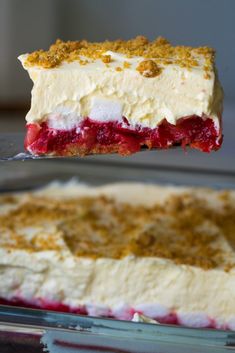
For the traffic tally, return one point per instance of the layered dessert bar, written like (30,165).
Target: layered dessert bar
(163,252)
(120,96)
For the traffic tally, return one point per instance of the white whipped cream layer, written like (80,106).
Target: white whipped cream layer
(105,94)
(152,286)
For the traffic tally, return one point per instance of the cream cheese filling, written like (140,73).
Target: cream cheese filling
(102,93)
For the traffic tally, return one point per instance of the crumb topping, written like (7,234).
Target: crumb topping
(185,229)
(126,65)
(160,51)
(148,68)
(106,59)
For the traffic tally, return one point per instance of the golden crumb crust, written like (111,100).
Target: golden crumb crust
(154,53)
(185,229)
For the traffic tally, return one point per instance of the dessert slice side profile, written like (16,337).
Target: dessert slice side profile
(120,96)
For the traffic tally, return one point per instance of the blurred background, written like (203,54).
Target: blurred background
(27,25)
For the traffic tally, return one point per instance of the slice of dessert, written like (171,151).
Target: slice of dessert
(119,96)
(164,252)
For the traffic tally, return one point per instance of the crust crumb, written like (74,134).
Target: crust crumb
(106,59)
(126,65)
(148,68)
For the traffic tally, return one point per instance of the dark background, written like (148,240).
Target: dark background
(27,25)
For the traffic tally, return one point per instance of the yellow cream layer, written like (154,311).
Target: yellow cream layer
(107,92)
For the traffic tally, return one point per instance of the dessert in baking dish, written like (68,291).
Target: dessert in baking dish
(164,252)
(119,96)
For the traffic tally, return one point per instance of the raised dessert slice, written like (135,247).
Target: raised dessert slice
(164,252)
(119,96)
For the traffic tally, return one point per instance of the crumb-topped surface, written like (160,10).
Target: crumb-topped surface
(154,53)
(184,229)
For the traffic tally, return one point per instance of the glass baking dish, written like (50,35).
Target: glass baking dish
(28,330)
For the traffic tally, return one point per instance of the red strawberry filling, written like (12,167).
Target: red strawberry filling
(109,137)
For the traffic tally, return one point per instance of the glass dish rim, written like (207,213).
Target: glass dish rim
(107,327)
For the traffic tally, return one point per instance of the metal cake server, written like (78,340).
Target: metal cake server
(12,148)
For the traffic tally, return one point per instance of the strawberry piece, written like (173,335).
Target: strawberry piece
(32,134)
